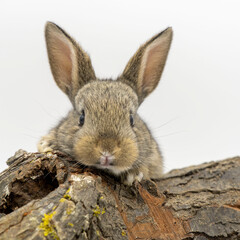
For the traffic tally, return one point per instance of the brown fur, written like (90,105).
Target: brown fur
(107,105)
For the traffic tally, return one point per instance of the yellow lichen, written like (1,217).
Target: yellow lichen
(98,233)
(54,208)
(123,233)
(103,211)
(62,200)
(101,197)
(48,227)
(67,196)
(97,211)
(68,190)
(71,224)
(69,211)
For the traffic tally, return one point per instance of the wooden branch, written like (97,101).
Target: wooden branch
(48,196)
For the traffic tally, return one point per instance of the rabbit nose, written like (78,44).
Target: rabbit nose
(106,159)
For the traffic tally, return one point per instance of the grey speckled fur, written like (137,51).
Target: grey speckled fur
(106,140)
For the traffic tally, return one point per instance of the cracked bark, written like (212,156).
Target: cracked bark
(48,196)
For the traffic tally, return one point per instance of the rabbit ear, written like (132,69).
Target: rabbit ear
(145,68)
(71,66)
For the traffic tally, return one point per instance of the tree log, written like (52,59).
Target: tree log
(49,196)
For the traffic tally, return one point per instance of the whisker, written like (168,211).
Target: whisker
(78,163)
(170,134)
(164,124)
(30,136)
(49,112)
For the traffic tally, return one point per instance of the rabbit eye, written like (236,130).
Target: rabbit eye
(131,120)
(82,118)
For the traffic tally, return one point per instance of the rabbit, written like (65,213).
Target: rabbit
(103,130)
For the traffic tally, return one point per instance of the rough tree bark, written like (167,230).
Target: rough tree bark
(48,196)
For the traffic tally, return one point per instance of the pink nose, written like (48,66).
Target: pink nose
(106,159)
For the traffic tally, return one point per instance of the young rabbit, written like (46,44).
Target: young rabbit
(103,129)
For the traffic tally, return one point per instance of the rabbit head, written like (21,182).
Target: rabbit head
(102,130)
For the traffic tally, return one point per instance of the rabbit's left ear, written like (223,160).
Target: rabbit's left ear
(70,64)
(145,68)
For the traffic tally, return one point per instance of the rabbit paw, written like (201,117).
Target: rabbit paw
(43,146)
(131,177)
(45,143)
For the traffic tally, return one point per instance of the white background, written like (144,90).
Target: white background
(199,94)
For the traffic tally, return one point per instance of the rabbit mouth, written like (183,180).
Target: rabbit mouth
(106,159)
(116,170)
(106,154)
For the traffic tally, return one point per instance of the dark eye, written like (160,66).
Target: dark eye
(82,118)
(131,120)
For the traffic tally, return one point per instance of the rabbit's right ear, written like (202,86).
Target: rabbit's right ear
(145,68)
(71,66)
